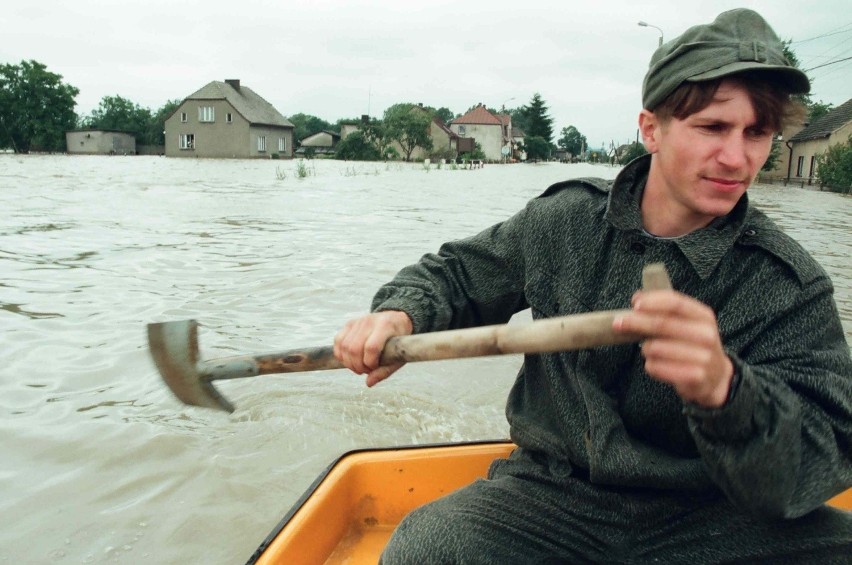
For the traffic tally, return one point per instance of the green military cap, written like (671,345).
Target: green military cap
(738,40)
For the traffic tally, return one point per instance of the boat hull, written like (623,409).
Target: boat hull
(349,513)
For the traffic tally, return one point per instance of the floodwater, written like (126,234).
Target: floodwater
(100,464)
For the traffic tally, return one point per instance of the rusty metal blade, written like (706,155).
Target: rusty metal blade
(174,348)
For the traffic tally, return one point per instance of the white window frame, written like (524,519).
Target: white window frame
(462,130)
(229,117)
(261,143)
(800,166)
(183,117)
(282,144)
(186,141)
(206,114)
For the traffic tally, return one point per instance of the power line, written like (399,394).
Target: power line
(827,64)
(832,32)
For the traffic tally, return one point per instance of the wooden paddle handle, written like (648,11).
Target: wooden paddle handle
(565,333)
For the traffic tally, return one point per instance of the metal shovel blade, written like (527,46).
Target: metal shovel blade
(174,347)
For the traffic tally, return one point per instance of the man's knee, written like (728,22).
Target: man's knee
(421,537)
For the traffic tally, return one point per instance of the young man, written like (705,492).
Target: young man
(721,436)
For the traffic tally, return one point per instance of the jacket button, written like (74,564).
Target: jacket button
(637,247)
(750,233)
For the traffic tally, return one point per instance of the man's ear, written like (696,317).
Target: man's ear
(649,127)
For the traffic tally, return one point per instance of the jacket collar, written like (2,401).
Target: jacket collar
(703,248)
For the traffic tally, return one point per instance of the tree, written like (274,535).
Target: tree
(408,125)
(154,133)
(519,118)
(817,110)
(357,147)
(537,148)
(368,143)
(117,113)
(36,108)
(814,109)
(306,125)
(572,141)
(774,155)
(538,123)
(635,150)
(443,113)
(835,167)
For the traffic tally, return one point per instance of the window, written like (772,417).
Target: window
(282,145)
(261,143)
(813,166)
(187,141)
(462,130)
(800,166)
(183,117)
(205,114)
(229,117)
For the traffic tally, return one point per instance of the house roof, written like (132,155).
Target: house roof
(825,125)
(479,115)
(443,127)
(334,135)
(246,101)
(518,132)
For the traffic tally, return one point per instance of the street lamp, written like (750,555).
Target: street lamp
(646,24)
(503,105)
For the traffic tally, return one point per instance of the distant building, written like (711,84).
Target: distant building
(100,142)
(491,132)
(227,120)
(444,140)
(320,143)
(814,139)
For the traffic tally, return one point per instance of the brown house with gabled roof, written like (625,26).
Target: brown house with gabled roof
(815,138)
(492,132)
(227,120)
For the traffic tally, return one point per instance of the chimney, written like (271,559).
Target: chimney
(365,118)
(234,82)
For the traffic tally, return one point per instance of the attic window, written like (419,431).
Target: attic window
(462,130)
(229,117)
(183,117)
(206,114)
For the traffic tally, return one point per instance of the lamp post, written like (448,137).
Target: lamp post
(503,105)
(646,24)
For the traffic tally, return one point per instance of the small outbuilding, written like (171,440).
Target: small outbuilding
(319,143)
(100,142)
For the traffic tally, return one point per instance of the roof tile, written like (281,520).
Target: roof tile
(479,115)
(825,125)
(245,101)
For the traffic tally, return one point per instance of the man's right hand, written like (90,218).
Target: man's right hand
(360,343)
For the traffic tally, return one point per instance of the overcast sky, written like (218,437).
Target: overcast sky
(336,58)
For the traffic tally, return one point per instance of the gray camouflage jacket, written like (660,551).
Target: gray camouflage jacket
(781,445)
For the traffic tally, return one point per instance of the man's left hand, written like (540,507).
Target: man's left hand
(683,347)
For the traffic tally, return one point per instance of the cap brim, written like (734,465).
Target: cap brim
(796,80)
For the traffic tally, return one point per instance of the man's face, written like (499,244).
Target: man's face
(704,163)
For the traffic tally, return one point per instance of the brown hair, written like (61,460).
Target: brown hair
(774,108)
